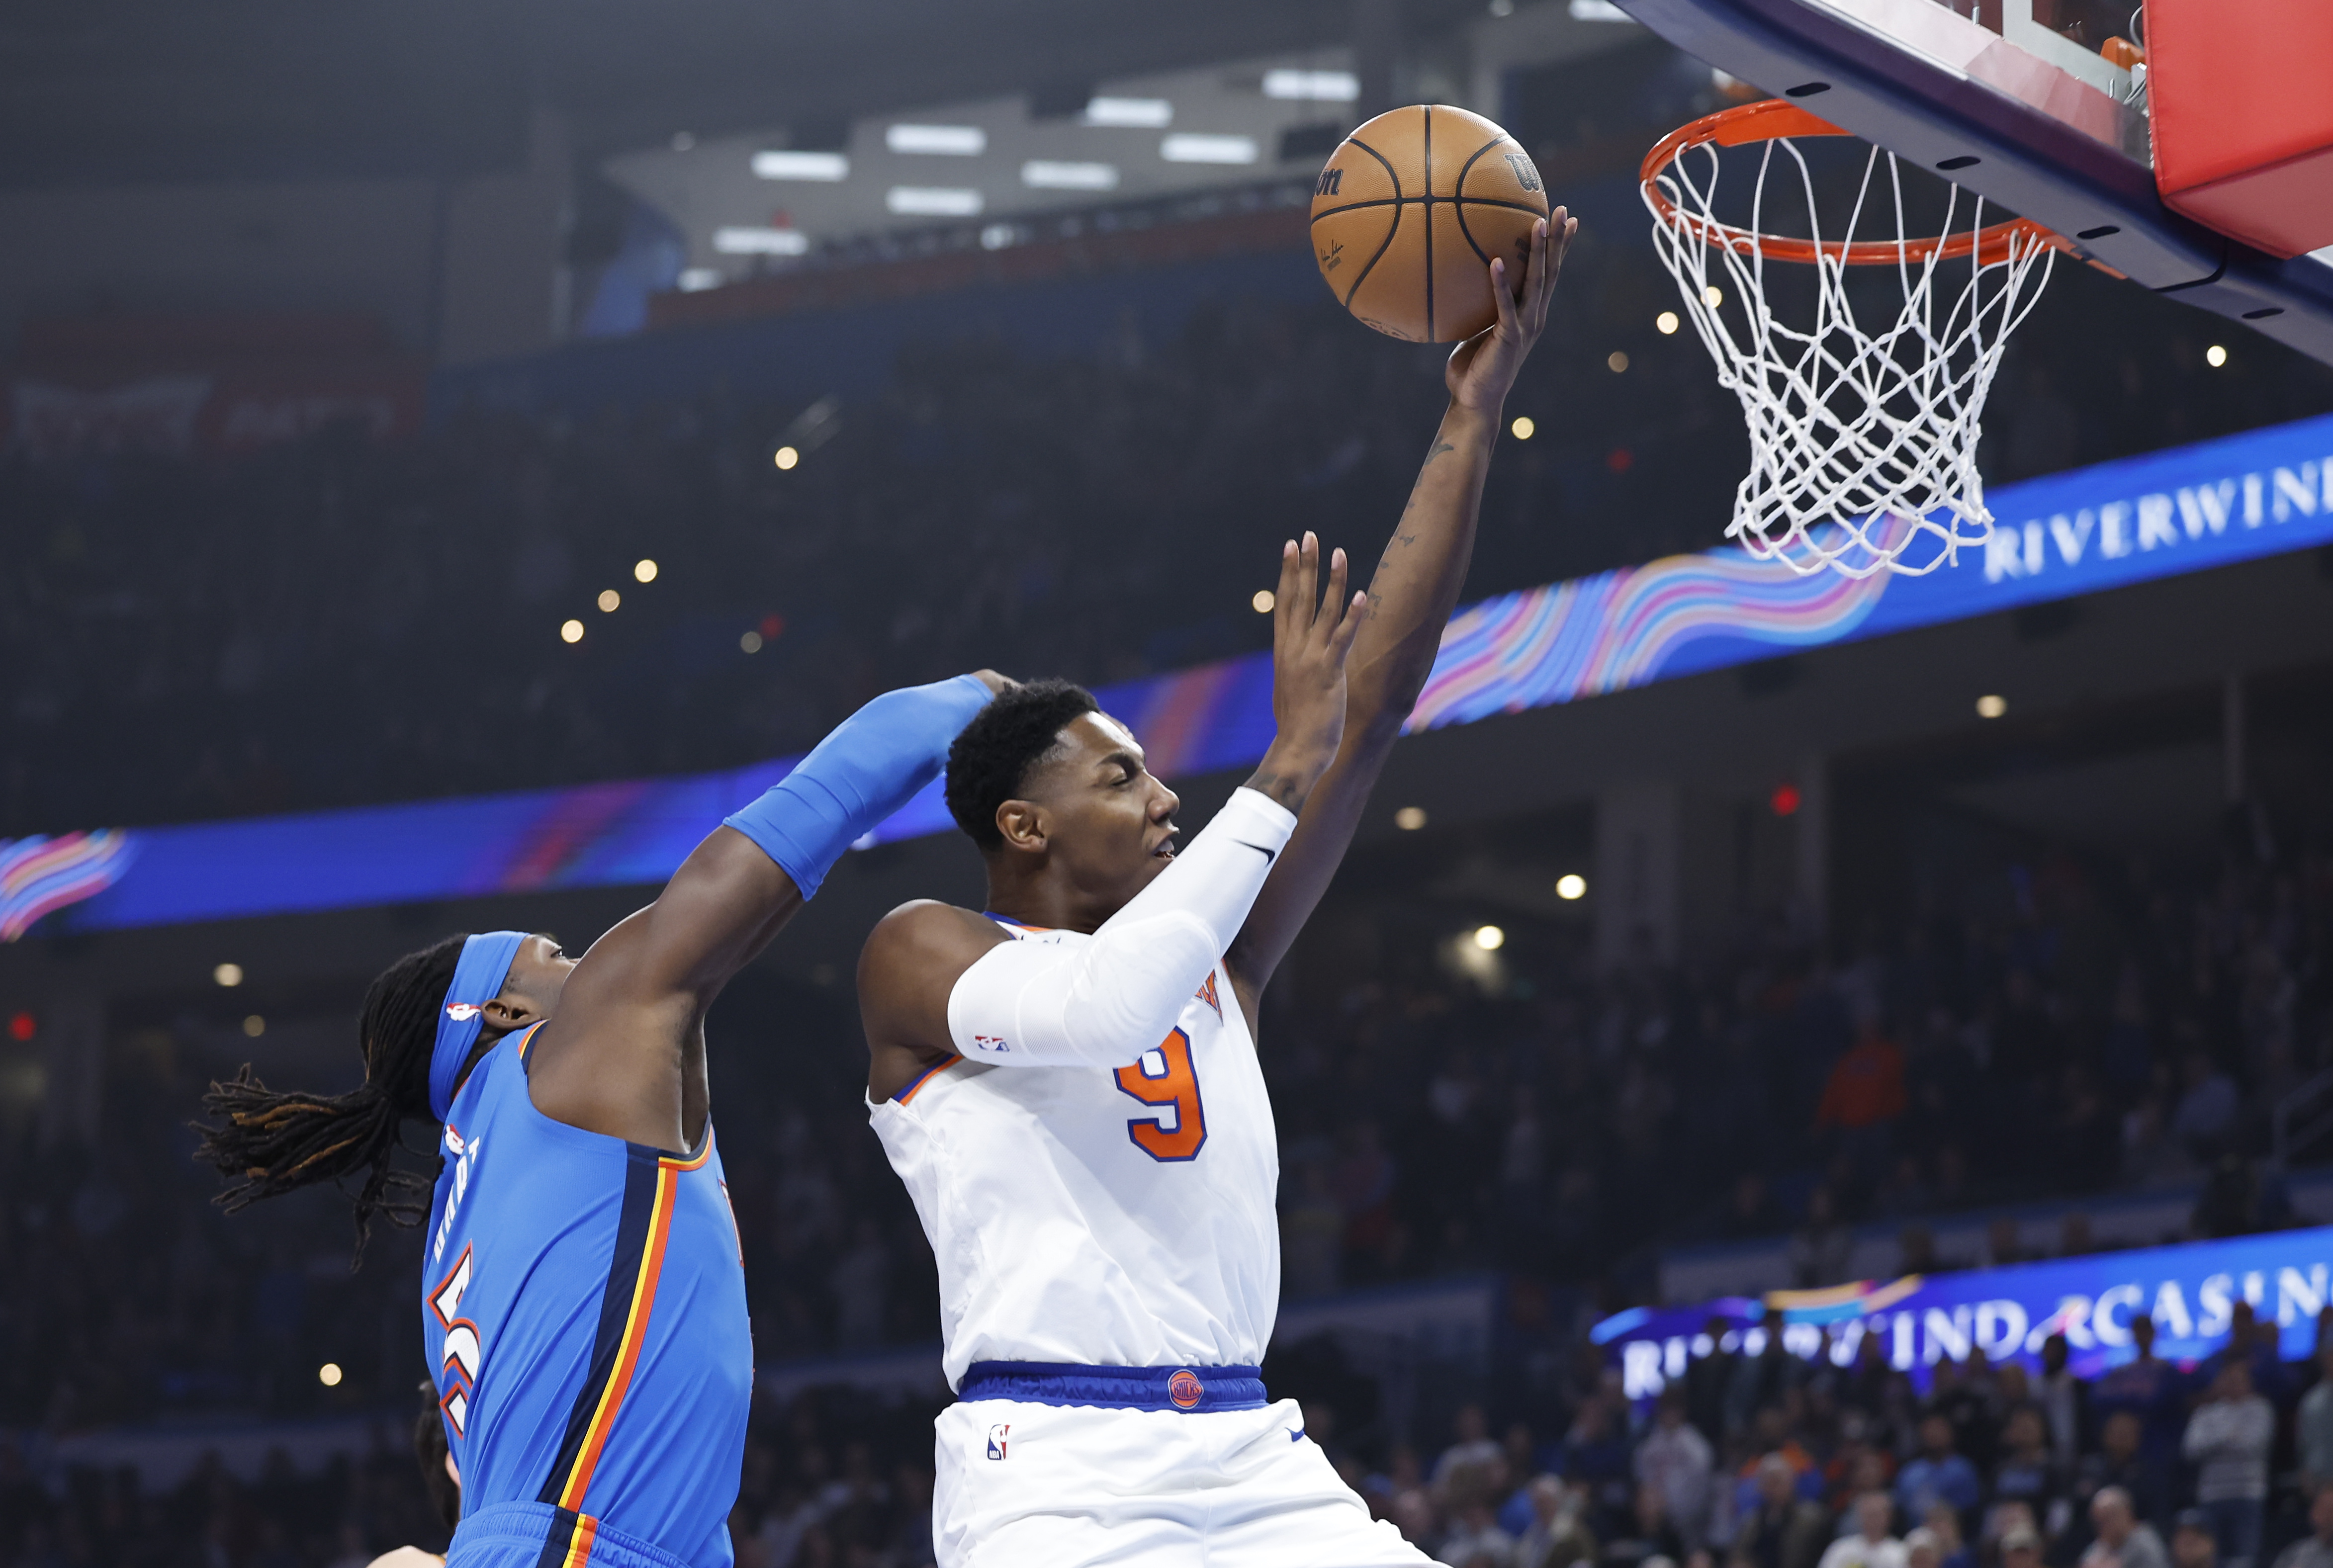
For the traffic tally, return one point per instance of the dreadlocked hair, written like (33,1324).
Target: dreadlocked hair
(269,1142)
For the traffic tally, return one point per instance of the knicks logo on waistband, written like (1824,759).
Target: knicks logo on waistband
(462,1012)
(1184,1391)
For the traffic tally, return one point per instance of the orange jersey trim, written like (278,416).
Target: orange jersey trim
(636,1328)
(926,1076)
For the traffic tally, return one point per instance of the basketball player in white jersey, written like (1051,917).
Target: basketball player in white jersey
(1068,1081)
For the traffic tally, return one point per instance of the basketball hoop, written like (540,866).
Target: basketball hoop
(1862,443)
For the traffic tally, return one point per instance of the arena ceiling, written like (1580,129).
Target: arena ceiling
(110,91)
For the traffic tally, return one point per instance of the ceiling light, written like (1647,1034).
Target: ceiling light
(1312,86)
(1046,174)
(1490,937)
(932,202)
(1409,818)
(828,167)
(644,571)
(948,141)
(1713,296)
(329,1374)
(751,642)
(1139,113)
(2215,355)
(1186,146)
(610,601)
(1571,885)
(254,1026)
(1990,706)
(1617,361)
(786,457)
(1263,601)
(1524,427)
(1665,322)
(760,242)
(229,974)
(571,631)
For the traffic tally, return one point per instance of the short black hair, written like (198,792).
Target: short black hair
(992,757)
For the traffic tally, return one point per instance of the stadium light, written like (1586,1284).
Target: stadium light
(1131,113)
(2215,355)
(932,202)
(1053,174)
(254,1026)
(1490,937)
(1264,601)
(1665,323)
(610,601)
(644,570)
(1409,818)
(744,240)
(786,458)
(1524,427)
(1570,887)
(1312,86)
(1617,361)
(751,642)
(824,166)
(1991,707)
(229,974)
(571,631)
(329,1374)
(1188,147)
(944,140)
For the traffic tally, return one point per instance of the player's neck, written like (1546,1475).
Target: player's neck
(1043,901)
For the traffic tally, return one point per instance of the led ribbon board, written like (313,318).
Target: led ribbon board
(2185,510)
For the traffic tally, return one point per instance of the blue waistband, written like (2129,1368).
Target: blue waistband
(509,1534)
(1193,1389)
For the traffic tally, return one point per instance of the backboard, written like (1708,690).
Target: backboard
(2025,114)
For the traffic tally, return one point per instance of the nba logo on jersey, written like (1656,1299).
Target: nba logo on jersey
(997,1438)
(1184,1389)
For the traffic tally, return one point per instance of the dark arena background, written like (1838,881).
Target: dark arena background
(1749,1062)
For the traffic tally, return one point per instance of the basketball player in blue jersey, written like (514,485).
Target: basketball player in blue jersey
(583,1291)
(1068,1083)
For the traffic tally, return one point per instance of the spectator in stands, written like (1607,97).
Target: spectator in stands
(1470,1496)
(2313,1427)
(1596,1457)
(1783,1530)
(2123,1539)
(2193,1545)
(1939,1475)
(1870,1541)
(2314,1550)
(2150,1388)
(2028,1470)
(1863,1098)
(1558,1537)
(1675,1463)
(1942,1524)
(2121,1464)
(2228,1440)
(2021,1547)
(1820,1247)
(1471,1443)
(1922,1549)
(1760,1382)
(2065,1401)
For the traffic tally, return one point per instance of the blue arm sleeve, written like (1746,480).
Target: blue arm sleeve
(870,766)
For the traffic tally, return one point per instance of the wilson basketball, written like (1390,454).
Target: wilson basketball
(1408,213)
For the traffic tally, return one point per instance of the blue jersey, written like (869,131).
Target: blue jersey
(583,1304)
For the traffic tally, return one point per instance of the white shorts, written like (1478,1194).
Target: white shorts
(1032,1485)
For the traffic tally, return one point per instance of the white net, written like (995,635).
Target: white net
(1862,437)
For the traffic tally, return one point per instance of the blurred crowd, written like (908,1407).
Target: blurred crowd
(334,622)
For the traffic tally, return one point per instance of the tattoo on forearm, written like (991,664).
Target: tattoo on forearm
(1281,788)
(1439,448)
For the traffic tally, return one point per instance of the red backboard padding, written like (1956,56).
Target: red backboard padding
(2241,94)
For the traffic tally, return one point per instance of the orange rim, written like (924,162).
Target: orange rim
(1779,120)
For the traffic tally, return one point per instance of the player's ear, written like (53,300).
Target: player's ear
(512,1010)
(1023,824)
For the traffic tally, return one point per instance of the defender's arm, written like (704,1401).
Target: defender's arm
(1410,599)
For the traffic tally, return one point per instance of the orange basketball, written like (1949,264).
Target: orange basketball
(1410,210)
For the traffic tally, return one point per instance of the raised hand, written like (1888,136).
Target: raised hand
(1482,368)
(1312,633)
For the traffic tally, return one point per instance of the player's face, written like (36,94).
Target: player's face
(538,974)
(1109,824)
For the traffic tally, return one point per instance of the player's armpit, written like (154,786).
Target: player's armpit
(910,964)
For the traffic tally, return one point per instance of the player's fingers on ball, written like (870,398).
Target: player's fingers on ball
(1509,325)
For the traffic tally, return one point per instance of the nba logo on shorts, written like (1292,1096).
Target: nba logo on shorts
(1184,1389)
(997,1438)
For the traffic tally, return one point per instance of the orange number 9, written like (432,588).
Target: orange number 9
(1172,1087)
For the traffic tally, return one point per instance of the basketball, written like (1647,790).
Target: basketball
(1409,214)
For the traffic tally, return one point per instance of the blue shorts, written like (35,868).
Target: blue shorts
(522,1536)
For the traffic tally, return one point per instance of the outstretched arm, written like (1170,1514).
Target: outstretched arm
(624,1052)
(1410,599)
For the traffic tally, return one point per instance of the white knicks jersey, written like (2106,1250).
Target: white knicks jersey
(1098,1217)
